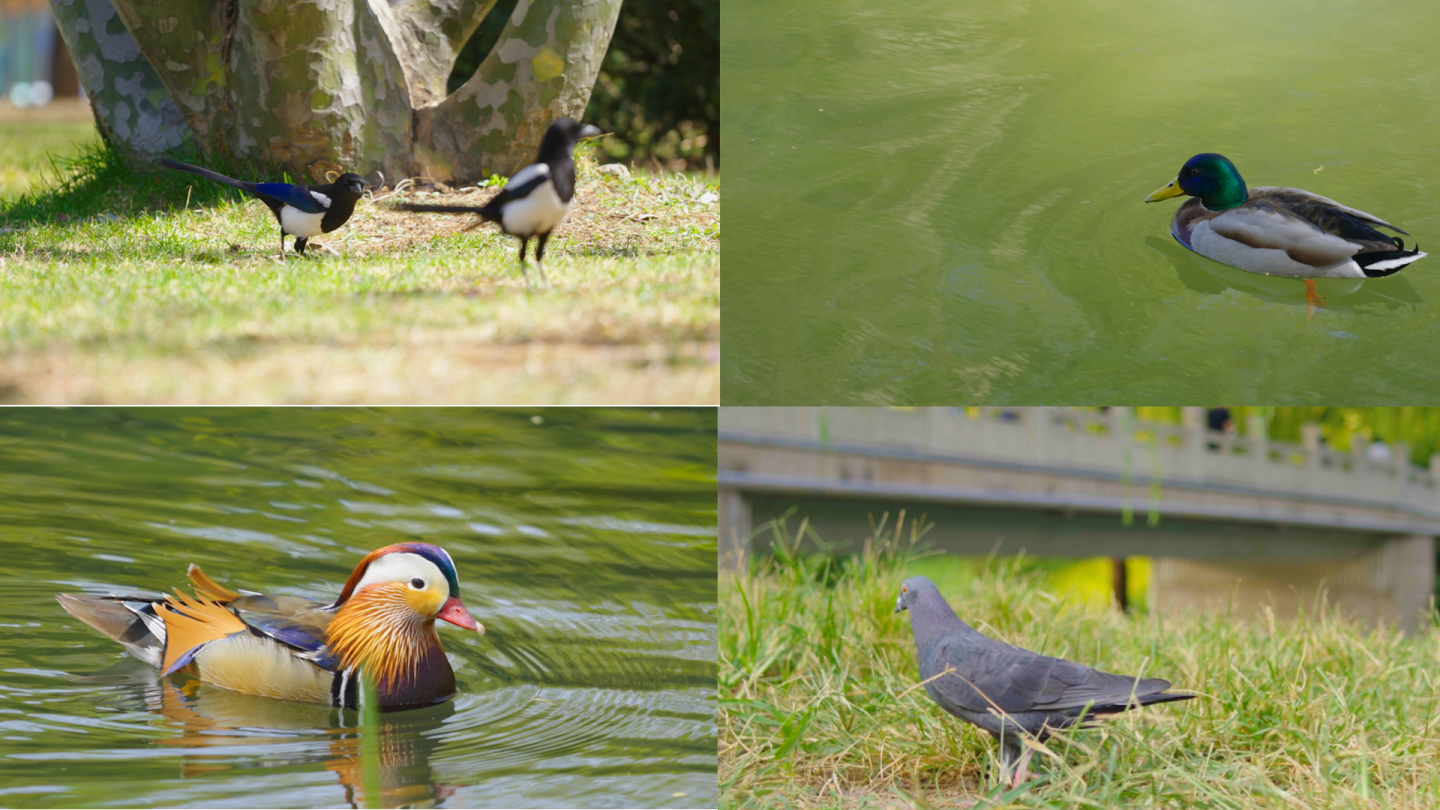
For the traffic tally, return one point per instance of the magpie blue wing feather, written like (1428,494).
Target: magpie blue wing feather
(297,197)
(522,184)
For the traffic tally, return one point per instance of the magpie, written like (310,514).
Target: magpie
(303,211)
(537,198)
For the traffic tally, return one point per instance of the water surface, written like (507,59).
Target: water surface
(584,540)
(938,203)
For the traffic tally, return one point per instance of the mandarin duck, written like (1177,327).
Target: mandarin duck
(1278,231)
(293,648)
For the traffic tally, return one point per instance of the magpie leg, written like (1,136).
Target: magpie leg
(300,244)
(524,243)
(540,256)
(282,245)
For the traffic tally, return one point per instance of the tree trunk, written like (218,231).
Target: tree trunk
(543,66)
(132,108)
(316,86)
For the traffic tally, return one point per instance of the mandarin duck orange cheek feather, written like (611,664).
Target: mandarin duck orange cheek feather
(293,648)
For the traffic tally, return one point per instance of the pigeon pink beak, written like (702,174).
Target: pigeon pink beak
(456,614)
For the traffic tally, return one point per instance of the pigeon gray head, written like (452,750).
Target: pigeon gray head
(911,589)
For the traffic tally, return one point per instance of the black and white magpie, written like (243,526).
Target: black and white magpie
(303,211)
(538,197)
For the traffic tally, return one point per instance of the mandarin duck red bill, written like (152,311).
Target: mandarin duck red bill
(294,648)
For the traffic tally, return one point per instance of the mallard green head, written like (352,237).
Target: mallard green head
(1212,178)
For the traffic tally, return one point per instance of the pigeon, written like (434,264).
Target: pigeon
(1005,690)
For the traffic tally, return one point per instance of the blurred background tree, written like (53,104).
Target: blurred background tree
(659,87)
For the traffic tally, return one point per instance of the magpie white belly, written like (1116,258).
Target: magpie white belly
(538,212)
(298,223)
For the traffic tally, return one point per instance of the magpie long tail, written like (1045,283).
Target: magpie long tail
(484,211)
(207,174)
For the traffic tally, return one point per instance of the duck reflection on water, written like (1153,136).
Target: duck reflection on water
(258,732)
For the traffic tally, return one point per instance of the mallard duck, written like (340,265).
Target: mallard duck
(294,648)
(1278,231)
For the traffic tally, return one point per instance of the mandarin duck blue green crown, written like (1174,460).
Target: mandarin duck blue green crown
(1278,231)
(293,648)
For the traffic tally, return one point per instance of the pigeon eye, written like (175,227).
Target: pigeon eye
(417,583)
(904,589)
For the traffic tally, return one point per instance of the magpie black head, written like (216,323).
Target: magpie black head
(561,136)
(352,183)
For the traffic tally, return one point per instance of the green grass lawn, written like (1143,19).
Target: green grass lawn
(27,145)
(122,284)
(821,707)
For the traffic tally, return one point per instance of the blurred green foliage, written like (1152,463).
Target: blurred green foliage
(1417,427)
(658,93)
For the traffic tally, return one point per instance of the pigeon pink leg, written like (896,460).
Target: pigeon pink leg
(1022,769)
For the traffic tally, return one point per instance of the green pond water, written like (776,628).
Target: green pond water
(940,203)
(585,544)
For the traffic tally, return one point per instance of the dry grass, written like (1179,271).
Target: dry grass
(261,373)
(820,705)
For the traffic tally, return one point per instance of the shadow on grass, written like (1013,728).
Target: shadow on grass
(100,181)
(59,253)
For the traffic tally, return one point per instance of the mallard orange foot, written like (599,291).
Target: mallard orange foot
(293,648)
(1313,297)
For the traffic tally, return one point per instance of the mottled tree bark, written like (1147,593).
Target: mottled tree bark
(132,107)
(543,66)
(326,85)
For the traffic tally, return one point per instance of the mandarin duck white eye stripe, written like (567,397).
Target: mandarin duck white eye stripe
(295,648)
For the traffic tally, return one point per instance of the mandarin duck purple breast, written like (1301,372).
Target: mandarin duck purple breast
(293,648)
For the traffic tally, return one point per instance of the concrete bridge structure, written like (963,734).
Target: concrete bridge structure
(1224,517)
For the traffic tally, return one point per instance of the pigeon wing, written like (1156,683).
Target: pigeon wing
(978,674)
(1074,686)
(985,674)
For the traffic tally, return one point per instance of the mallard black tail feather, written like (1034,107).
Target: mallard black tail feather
(1383,263)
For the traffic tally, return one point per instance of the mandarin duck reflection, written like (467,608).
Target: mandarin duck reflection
(205,721)
(293,648)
